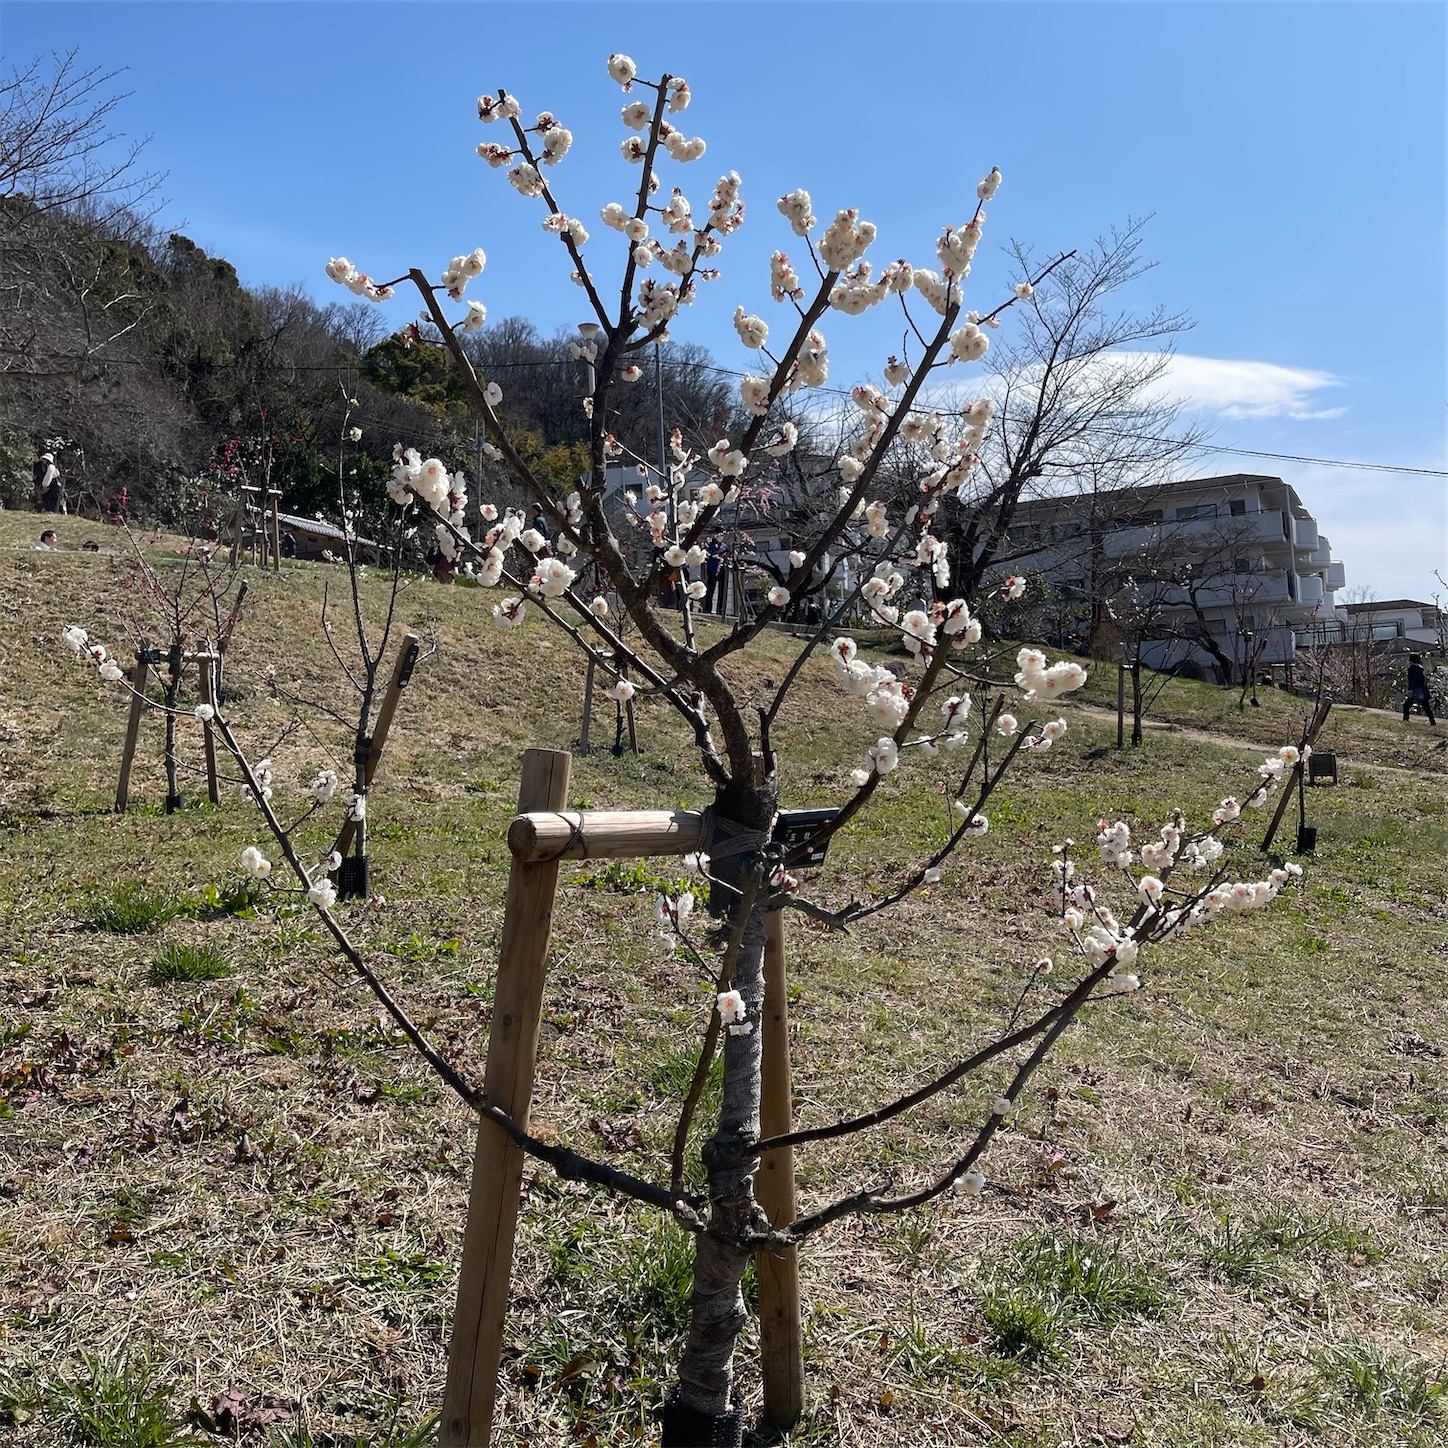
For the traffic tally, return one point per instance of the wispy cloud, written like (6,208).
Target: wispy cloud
(1249,390)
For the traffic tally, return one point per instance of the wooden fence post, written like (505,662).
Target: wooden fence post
(401,677)
(207,664)
(781,1329)
(482,1300)
(139,676)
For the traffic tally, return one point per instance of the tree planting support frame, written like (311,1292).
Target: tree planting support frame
(543,834)
(140,676)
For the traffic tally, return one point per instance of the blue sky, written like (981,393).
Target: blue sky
(1293,156)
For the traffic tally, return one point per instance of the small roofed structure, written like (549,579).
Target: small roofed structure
(316,540)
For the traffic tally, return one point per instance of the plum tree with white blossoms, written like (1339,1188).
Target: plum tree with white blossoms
(947,713)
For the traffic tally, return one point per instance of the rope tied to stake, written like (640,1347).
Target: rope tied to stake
(574,821)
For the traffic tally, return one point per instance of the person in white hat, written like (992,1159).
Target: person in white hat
(49,496)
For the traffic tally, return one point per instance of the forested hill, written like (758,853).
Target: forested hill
(147,367)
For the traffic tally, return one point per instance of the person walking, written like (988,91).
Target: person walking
(1418,692)
(714,554)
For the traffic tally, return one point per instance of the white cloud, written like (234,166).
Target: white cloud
(1234,390)
(1247,390)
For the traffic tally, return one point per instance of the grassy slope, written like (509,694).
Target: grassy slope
(248,1180)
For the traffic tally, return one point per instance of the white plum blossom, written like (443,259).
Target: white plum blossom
(622,691)
(505,108)
(969,343)
(682,148)
(796,209)
(731,1007)
(845,239)
(970,1183)
(1038,680)
(753,331)
(553,577)
(896,371)
(884,755)
(205,713)
(783,279)
(323,894)
(255,863)
(622,69)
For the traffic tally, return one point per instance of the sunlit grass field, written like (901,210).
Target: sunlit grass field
(231,1200)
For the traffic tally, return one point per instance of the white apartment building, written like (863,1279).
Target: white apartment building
(1220,557)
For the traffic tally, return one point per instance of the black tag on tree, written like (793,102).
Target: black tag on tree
(353,878)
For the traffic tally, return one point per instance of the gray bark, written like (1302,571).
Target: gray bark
(706,1371)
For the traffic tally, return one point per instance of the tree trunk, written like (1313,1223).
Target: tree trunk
(1136,709)
(698,1410)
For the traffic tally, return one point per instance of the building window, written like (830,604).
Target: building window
(1237,507)
(1193,511)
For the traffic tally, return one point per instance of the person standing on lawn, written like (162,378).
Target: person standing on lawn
(49,494)
(1418,692)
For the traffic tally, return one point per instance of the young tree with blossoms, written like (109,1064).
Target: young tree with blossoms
(948,713)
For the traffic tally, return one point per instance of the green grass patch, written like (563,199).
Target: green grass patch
(130,909)
(189,962)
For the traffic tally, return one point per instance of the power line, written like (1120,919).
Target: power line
(1321,462)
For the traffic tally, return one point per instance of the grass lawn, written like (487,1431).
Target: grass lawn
(229,1195)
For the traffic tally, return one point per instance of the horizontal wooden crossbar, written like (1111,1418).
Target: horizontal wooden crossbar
(603,834)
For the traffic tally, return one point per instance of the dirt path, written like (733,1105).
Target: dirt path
(1437,763)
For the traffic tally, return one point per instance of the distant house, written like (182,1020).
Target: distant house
(1398,625)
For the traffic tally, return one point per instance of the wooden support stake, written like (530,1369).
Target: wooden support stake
(138,703)
(583,747)
(1319,718)
(401,676)
(482,1300)
(207,664)
(276,530)
(781,1328)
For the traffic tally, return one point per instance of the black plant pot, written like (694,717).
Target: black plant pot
(684,1428)
(1306,839)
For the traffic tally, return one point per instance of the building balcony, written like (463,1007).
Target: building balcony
(1334,576)
(1304,534)
(1201,533)
(1309,590)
